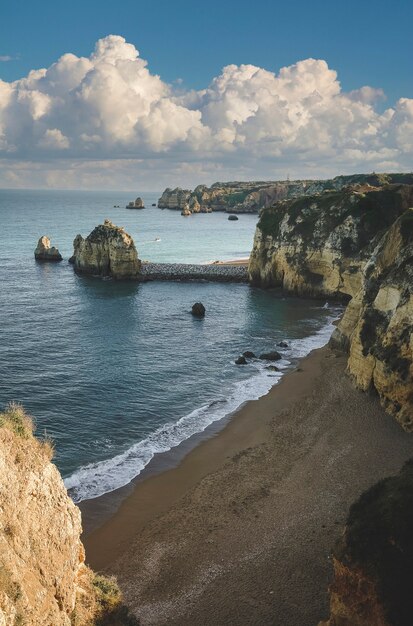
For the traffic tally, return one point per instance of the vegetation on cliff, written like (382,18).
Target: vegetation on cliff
(43,576)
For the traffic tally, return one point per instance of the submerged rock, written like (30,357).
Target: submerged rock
(232,218)
(249,355)
(198,309)
(282,344)
(270,356)
(241,361)
(107,251)
(45,251)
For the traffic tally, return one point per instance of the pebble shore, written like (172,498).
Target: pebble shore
(185,271)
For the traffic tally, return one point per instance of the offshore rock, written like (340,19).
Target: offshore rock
(373,563)
(271,356)
(198,309)
(241,360)
(107,251)
(45,251)
(174,199)
(137,204)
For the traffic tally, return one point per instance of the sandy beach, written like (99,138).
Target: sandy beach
(241,530)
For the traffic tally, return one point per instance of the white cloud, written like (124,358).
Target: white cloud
(109,108)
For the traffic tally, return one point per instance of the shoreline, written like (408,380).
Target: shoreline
(261,503)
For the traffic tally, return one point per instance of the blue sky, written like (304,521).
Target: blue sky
(366,42)
(140,94)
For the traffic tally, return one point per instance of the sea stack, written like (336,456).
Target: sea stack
(137,204)
(108,251)
(45,251)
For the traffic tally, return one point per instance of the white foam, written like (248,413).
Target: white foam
(96,479)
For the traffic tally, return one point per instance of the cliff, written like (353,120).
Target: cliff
(355,244)
(251,197)
(43,577)
(107,251)
(373,563)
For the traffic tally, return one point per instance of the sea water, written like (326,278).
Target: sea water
(116,372)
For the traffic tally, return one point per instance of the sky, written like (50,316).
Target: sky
(143,95)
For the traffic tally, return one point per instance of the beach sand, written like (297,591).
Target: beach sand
(240,531)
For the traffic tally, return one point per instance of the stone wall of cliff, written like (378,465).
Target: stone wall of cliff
(356,243)
(373,562)
(43,577)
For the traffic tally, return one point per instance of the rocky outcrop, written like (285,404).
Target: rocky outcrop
(377,327)
(45,251)
(174,198)
(43,577)
(319,245)
(355,244)
(252,196)
(198,309)
(373,563)
(136,204)
(107,251)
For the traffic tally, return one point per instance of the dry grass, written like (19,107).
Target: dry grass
(16,419)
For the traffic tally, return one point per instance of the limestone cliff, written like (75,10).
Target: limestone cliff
(252,196)
(357,244)
(377,327)
(373,563)
(107,251)
(43,577)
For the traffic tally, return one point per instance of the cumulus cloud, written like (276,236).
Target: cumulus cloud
(110,108)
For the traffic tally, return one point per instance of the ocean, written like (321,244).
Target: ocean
(116,372)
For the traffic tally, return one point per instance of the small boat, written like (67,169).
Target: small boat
(157,238)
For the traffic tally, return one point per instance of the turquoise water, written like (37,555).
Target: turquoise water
(116,372)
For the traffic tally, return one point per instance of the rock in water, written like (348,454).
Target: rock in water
(241,361)
(45,252)
(270,356)
(107,251)
(138,204)
(282,344)
(249,355)
(232,218)
(198,309)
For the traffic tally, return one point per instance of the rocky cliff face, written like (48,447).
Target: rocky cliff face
(373,563)
(356,243)
(107,251)
(251,197)
(43,577)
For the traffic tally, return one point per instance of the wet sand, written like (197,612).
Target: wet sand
(241,530)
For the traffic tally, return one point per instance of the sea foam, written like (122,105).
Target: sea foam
(96,479)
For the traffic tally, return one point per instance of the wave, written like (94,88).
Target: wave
(96,479)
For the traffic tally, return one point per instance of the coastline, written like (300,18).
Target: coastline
(254,510)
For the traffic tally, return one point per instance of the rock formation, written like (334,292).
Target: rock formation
(358,244)
(45,251)
(43,576)
(107,251)
(198,309)
(373,563)
(137,204)
(252,196)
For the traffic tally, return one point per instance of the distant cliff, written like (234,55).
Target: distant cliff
(251,197)
(355,244)
(43,577)
(373,562)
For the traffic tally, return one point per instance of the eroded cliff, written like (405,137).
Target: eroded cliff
(107,251)
(357,244)
(373,563)
(43,577)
